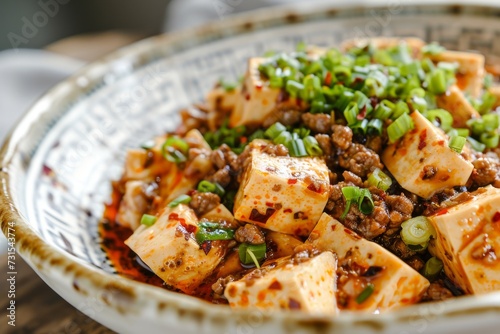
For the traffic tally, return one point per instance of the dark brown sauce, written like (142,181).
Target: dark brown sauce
(127,263)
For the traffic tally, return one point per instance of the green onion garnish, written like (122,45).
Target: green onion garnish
(182,199)
(490,140)
(148,145)
(379,179)
(417,231)
(436,81)
(384,110)
(399,127)
(351,113)
(312,147)
(284,138)
(433,49)
(375,127)
(366,293)
(457,143)
(432,268)
(293,87)
(208,187)
(362,197)
(443,117)
(274,130)
(208,231)
(252,254)
(488,100)
(366,205)
(148,220)
(476,145)
(228,86)
(296,148)
(175,149)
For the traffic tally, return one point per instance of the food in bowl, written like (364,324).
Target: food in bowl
(360,179)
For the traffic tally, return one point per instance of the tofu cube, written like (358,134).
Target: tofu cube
(461,230)
(168,247)
(460,108)
(395,283)
(219,99)
(286,285)
(257,100)
(470,69)
(282,194)
(133,205)
(423,163)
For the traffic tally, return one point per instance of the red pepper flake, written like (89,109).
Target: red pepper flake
(352,234)
(258,86)
(287,211)
(314,187)
(496,217)
(441,143)
(361,116)
(206,246)
(255,215)
(442,212)
(422,136)
(247,96)
(173,216)
(270,204)
(189,228)
(293,304)
(243,140)
(275,285)
(292,181)
(334,227)
(328,78)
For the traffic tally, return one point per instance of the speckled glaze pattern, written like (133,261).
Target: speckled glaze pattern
(57,164)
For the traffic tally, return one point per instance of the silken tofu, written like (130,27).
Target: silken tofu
(133,205)
(307,286)
(395,283)
(282,194)
(168,247)
(423,163)
(457,104)
(256,100)
(461,231)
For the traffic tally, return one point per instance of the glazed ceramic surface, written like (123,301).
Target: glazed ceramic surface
(57,165)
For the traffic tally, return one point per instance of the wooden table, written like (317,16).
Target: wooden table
(39,310)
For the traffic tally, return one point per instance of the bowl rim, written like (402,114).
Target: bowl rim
(49,262)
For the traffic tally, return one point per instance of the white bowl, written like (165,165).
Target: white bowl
(57,164)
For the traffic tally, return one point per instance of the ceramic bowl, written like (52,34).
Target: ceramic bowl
(57,164)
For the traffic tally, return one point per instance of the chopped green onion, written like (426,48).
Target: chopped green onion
(399,109)
(487,103)
(342,72)
(259,134)
(351,112)
(366,293)
(384,110)
(476,145)
(284,138)
(490,139)
(457,143)
(302,132)
(433,49)
(296,148)
(488,81)
(375,127)
(148,220)
(366,205)
(148,144)
(433,268)
(312,147)
(208,187)
(293,87)
(228,199)
(399,127)
(208,231)
(274,130)
(182,199)
(252,254)
(491,122)
(463,132)
(301,46)
(436,81)
(360,126)
(228,86)
(379,179)
(351,194)
(444,118)
(175,149)
(417,231)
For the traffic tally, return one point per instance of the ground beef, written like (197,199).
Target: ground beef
(341,136)
(365,225)
(224,156)
(375,143)
(279,150)
(437,292)
(286,115)
(249,233)
(416,263)
(325,144)
(396,245)
(400,208)
(429,172)
(201,203)
(360,160)
(319,123)
(486,171)
(219,286)
(352,178)
(222,176)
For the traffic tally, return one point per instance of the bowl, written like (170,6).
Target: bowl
(57,164)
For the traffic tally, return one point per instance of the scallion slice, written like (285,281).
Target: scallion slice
(379,179)
(274,130)
(432,268)
(400,127)
(148,220)
(375,127)
(351,112)
(417,231)
(208,187)
(476,145)
(457,143)
(175,149)
(312,147)
(208,231)
(436,81)
(296,147)
(182,199)
(252,254)
(443,117)
(365,202)
(366,293)
(490,139)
